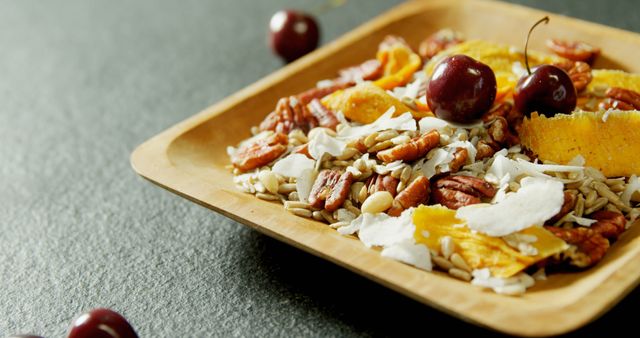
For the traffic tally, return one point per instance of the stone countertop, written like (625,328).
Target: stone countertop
(82,83)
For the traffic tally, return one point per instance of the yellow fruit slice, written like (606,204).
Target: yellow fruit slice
(612,146)
(481,251)
(399,63)
(365,102)
(500,57)
(605,78)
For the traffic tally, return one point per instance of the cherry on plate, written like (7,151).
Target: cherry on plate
(293,34)
(461,89)
(547,89)
(101,323)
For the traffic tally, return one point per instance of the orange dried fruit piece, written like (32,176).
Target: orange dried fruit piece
(479,250)
(501,58)
(364,103)
(606,78)
(609,143)
(399,64)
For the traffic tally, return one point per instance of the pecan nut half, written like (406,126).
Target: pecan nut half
(289,114)
(416,193)
(610,224)
(486,148)
(366,71)
(438,42)
(500,133)
(456,191)
(325,117)
(260,152)
(460,157)
(330,189)
(578,71)
(587,247)
(339,192)
(630,97)
(574,50)
(387,183)
(416,148)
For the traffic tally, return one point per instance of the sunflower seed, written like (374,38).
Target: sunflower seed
(363,194)
(590,198)
(286,188)
(386,135)
(370,140)
(339,224)
(578,210)
(406,174)
(380,146)
(442,263)
(460,274)
(296,205)
(355,190)
(293,196)
(603,190)
(459,262)
(347,154)
(397,172)
(600,203)
(300,212)
(317,216)
(327,216)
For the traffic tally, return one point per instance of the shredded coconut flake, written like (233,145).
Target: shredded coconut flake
(304,183)
(632,187)
(322,143)
(536,201)
(393,234)
(513,286)
(440,157)
(293,165)
(386,121)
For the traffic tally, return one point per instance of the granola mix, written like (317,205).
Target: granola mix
(363,153)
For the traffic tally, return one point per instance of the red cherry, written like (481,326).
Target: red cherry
(101,323)
(461,89)
(293,34)
(547,89)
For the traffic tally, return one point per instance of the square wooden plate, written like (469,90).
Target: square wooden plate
(189,159)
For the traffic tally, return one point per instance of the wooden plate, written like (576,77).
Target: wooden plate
(189,159)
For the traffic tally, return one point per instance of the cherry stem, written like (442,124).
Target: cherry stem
(526,44)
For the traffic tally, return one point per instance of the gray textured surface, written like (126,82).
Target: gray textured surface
(81,84)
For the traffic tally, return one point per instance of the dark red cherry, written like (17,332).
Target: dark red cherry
(461,89)
(293,34)
(547,90)
(101,323)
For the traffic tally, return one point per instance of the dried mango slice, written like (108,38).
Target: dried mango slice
(399,63)
(364,103)
(612,146)
(500,57)
(605,78)
(481,251)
